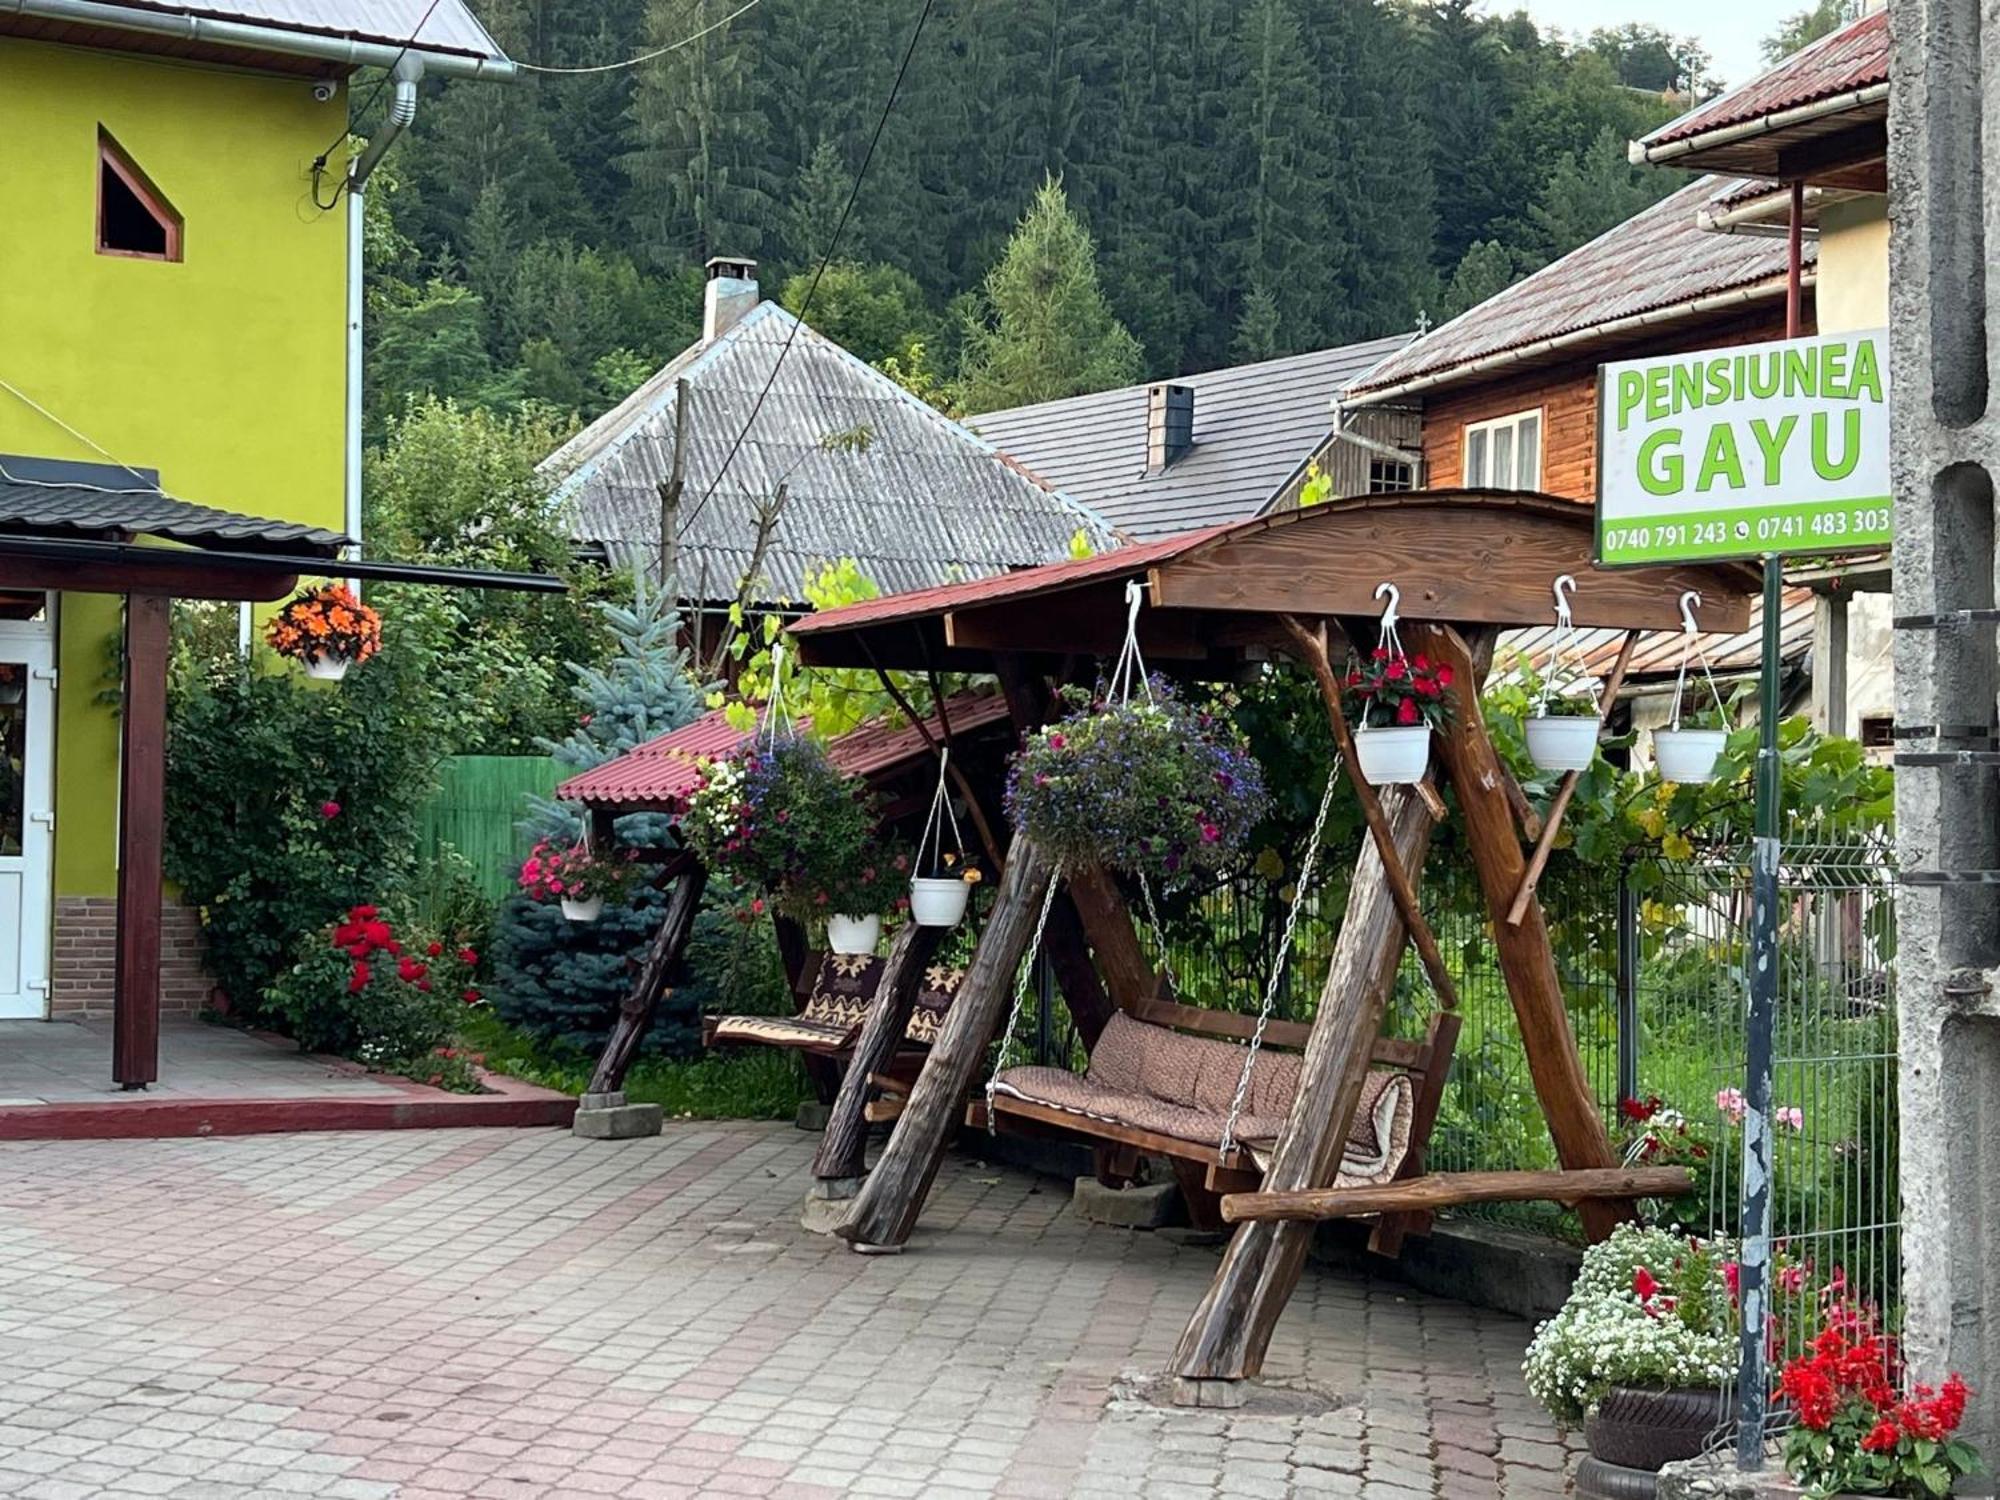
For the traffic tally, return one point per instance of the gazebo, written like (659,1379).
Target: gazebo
(1220,602)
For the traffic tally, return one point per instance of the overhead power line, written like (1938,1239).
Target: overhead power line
(644,57)
(812,288)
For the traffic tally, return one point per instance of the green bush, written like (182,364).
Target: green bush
(560,982)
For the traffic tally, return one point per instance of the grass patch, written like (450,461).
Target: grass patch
(758,1083)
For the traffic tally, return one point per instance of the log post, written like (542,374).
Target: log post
(142,769)
(1114,939)
(1230,1331)
(1076,976)
(1527,962)
(842,1158)
(893,1194)
(636,1010)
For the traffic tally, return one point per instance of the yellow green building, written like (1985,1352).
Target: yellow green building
(179,317)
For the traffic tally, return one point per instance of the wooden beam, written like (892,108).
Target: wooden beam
(1063,623)
(1526,960)
(1114,938)
(1552,825)
(842,1155)
(639,1005)
(1230,1330)
(1454,1189)
(142,783)
(1312,648)
(1068,950)
(893,1195)
(175,579)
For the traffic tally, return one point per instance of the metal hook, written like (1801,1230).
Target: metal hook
(1688,600)
(1135,593)
(1564,581)
(1395,598)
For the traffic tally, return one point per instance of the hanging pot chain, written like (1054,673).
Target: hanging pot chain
(1021,976)
(1299,888)
(1159,932)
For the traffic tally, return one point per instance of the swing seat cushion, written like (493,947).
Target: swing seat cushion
(844,986)
(1153,1079)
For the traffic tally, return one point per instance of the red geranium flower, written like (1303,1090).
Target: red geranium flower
(1882,1438)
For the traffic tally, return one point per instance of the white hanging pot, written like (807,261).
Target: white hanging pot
(327,667)
(583,911)
(1688,755)
(1394,755)
(1562,742)
(853,936)
(938,901)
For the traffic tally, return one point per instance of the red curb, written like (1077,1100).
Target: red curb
(511,1103)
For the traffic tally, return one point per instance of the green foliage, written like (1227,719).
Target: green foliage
(874,312)
(560,981)
(359,991)
(1590,191)
(832,701)
(1486,268)
(1801,28)
(1043,329)
(287,803)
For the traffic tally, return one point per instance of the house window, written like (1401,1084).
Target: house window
(1506,453)
(1386,476)
(1878,731)
(134,218)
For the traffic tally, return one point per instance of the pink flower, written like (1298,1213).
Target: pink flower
(1731,1103)
(329,809)
(1644,1286)
(1056,742)
(1791,1279)
(1792,1117)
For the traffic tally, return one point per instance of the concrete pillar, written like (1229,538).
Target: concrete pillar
(1830,662)
(1944,116)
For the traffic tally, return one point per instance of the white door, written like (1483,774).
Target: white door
(27,817)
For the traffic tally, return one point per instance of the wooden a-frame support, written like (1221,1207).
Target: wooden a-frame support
(642,1001)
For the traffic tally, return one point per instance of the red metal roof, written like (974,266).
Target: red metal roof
(1047,578)
(1854,57)
(662,772)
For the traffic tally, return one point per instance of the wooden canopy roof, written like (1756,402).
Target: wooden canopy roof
(1214,597)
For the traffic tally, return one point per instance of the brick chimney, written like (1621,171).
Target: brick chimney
(731,292)
(1169,424)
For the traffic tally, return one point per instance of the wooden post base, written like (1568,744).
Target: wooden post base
(1210,1395)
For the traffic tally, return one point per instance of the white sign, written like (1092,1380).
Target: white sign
(1760,448)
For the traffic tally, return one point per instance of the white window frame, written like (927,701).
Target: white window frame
(1491,432)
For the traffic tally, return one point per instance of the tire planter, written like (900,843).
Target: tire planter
(583,911)
(1637,1429)
(1396,755)
(1562,742)
(327,668)
(1688,755)
(938,901)
(1598,1480)
(853,936)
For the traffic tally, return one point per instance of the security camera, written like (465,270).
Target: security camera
(324,89)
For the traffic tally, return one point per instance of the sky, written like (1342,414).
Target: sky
(1729,29)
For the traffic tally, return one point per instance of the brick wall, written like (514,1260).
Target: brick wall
(85,957)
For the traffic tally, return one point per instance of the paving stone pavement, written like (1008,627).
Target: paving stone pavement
(430,1315)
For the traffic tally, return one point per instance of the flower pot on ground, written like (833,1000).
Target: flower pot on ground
(327,630)
(1688,755)
(1642,1345)
(853,935)
(585,909)
(581,880)
(1394,701)
(1562,735)
(1154,785)
(1397,755)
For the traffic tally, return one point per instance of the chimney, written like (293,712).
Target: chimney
(731,292)
(1169,424)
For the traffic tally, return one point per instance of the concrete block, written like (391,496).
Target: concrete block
(813,1115)
(1149,1207)
(608,1117)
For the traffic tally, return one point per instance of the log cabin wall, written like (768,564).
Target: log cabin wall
(1567,397)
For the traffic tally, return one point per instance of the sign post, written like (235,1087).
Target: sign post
(1758,451)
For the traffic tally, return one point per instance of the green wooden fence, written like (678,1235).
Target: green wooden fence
(478,801)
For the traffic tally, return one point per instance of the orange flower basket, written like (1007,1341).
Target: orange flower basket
(327,629)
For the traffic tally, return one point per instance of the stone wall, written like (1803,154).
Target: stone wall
(84,960)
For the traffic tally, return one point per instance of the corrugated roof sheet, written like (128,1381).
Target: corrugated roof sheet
(923,503)
(661,773)
(37,495)
(1658,258)
(449,26)
(1657,655)
(1254,425)
(1854,57)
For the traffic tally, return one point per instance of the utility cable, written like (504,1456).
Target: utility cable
(319,162)
(644,57)
(805,307)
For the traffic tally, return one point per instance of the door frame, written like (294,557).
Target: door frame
(34,641)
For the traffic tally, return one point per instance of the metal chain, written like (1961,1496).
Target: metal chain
(1299,887)
(1159,932)
(1021,974)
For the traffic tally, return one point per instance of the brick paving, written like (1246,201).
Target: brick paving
(512,1313)
(69,1062)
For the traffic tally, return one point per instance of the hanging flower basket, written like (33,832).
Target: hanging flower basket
(781,820)
(327,630)
(582,881)
(1687,754)
(1687,750)
(1152,786)
(1394,701)
(1563,735)
(942,887)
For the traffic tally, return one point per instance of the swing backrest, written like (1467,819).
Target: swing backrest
(1288,1036)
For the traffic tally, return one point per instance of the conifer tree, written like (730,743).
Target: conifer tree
(1043,329)
(1257,328)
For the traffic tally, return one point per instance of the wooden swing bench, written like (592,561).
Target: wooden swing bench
(835,999)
